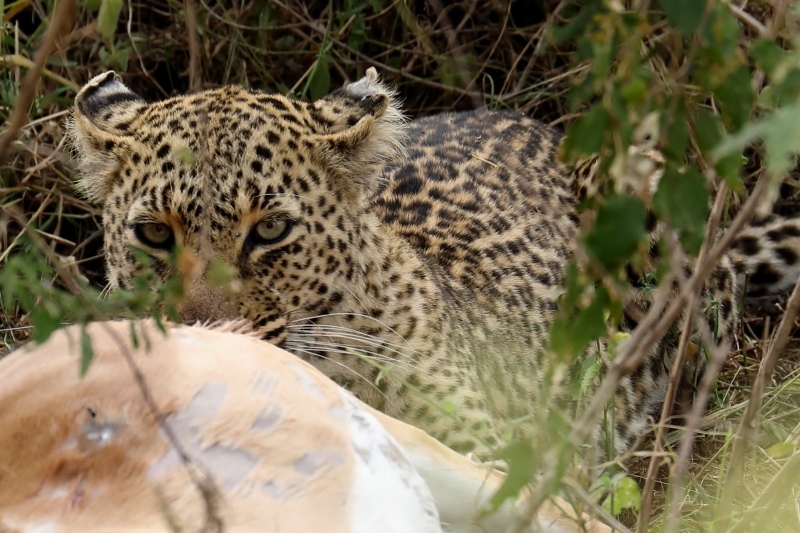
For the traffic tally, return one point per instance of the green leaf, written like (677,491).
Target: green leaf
(319,83)
(573,288)
(358,33)
(684,15)
(781,450)
(519,456)
(767,54)
(185,155)
(678,132)
(618,230)
(577,25)
(570,335)
(87,353)
(682,200)
(625,495)
(108,17)
(781,134)
(448,72)
(708,129)
(91,5)
(44,323)
(448,407)
(220,273)
(134,336)
(634,91)
(586,136)
(736,97)
(265,16)
(590,369)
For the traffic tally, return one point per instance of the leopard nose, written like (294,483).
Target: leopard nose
(207,304)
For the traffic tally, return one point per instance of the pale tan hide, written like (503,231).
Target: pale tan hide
(288,450)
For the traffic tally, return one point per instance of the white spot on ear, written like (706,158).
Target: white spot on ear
(368,85)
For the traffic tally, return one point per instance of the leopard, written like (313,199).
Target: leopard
(417,263)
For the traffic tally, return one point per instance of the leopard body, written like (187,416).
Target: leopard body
(418,265)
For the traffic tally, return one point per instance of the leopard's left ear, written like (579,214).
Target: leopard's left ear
(360,124)
(99,129)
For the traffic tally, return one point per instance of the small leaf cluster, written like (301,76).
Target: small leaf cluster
(29,282)
(682,81)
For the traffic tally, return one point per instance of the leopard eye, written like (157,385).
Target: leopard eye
(272,231)
(155,235)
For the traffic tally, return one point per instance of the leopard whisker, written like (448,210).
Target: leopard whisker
(345,349)
(314,354)
(354,314)
(332,330)
(405,356)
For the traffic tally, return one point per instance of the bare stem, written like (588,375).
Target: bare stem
(61,21)
(205,485)
(749,424)
(652,328)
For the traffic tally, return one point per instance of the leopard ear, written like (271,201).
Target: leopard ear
(360,124)
(104,109)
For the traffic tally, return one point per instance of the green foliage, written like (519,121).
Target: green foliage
(319,83)
(108,17)
(618,230)
(87,354)
(29,282)
(780,132)
(620,492)
(587,134)
(684,15)
(682,200)
(571,334)
(520,458)
(714,91)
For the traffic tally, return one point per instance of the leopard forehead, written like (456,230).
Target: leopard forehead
(220,161)
(243,155)
(223,160)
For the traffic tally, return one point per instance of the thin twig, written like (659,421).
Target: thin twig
(22,61)
(195,74)
(676,372)
(458,54)
(749,424)
(652,328)
(748,19)
(60,23)
(596,510)
(205,486)
(52,259)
